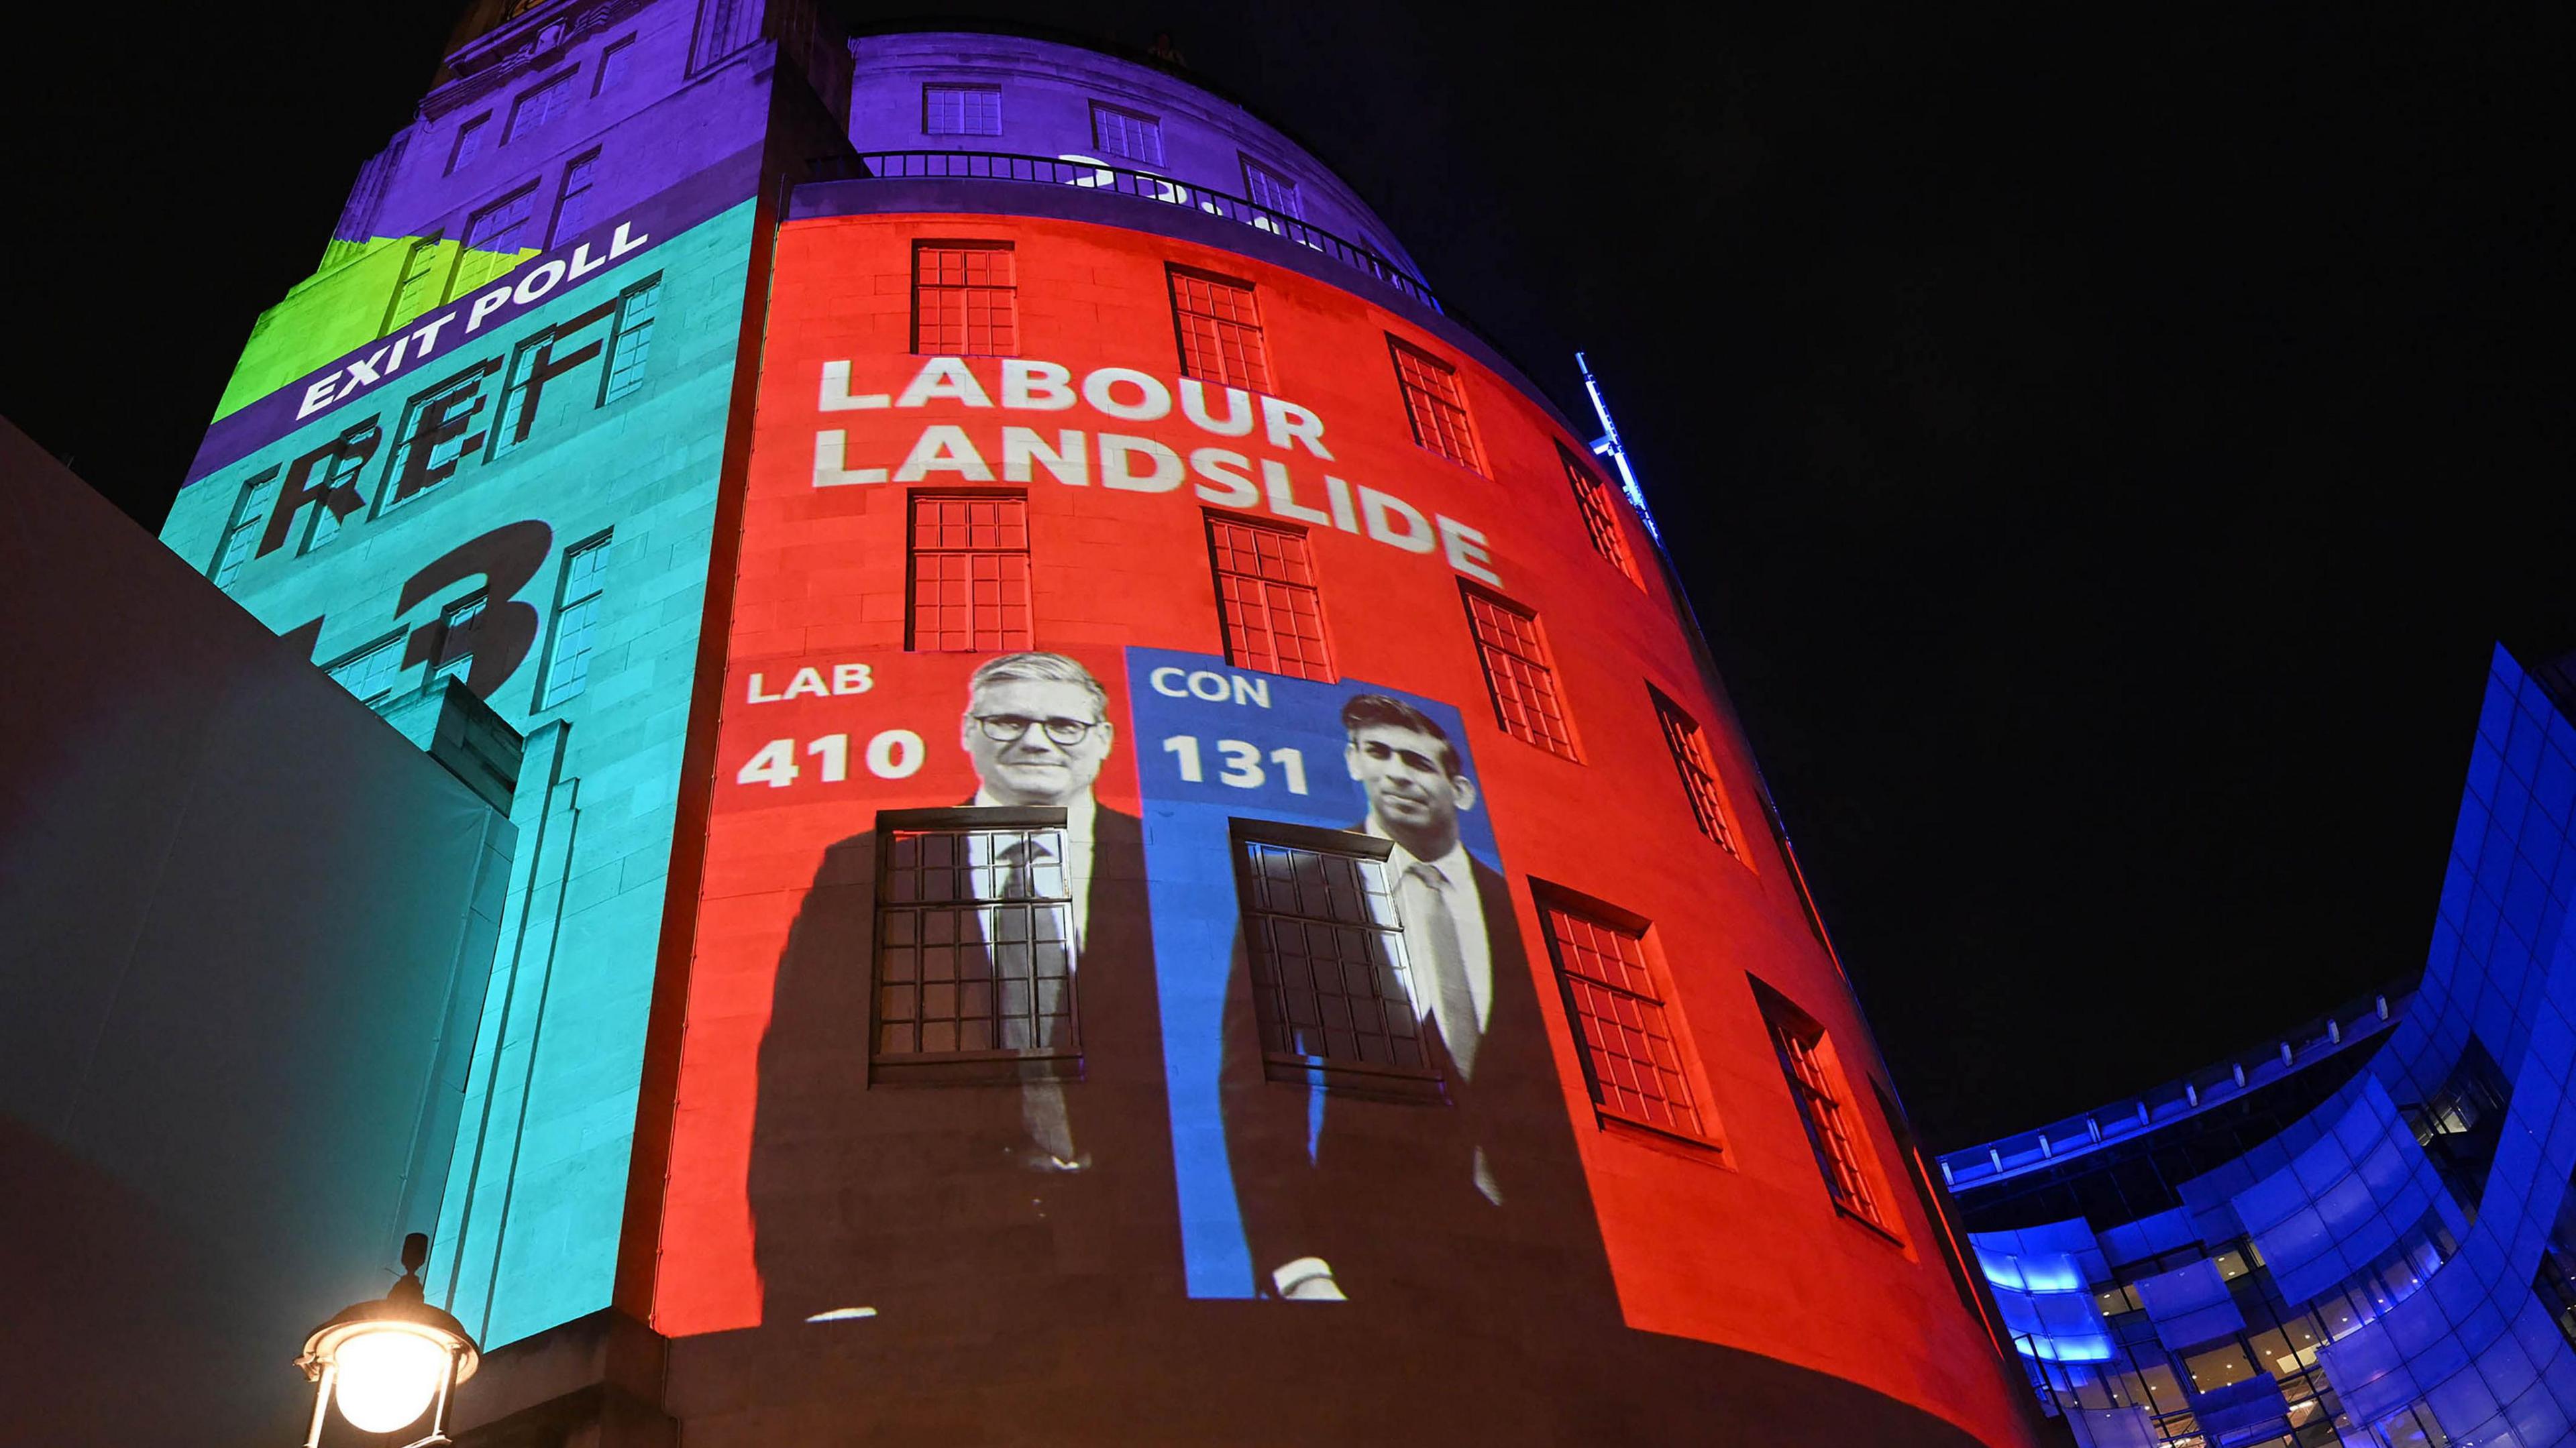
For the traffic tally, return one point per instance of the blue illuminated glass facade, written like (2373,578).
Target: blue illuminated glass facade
(2388,1256)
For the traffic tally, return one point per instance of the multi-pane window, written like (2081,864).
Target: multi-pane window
(965,299)
(469,143)
(423,284)
(516,388)
(576,622)
(455,643)
(539,106)
(1517,672)
(1265,590)
(1326,951)
(961,110)
(370,672)
(356,447)
(572,203)
(1220,330)
(1600,515)
(612,65)
(1697,768)
(970,573)
(975,944)
(1269,190)
(503,225)
(1434,403)
(1127,134)
(241,535)
(446,402)
(1629,1050)
(1815,1083)
(630,340)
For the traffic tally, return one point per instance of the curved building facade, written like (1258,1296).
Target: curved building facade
(2362,1233)
(1124,837)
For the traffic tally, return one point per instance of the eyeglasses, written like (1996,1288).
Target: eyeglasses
(1004,728)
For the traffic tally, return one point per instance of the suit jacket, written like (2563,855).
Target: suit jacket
(900,1192)
(1384,1188)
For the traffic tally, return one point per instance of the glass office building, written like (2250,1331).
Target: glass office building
(2361,1233)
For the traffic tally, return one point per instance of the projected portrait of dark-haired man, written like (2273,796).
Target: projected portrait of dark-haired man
(1394,1117)
(961,1088)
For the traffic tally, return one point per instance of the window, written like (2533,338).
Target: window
(443,409)
(1326,952)
(503,225)
(1434,403)
(1629,1052)
(961,110)
(965,301)
(612,65)
(970,573)
(539,106)
(469,143)
(241,535)
(423,284)
(1220,330)
(516,388)
(975,940)
(576,622)
(572,203)
(1127,134)
(370,672)
(1517,674)
(1698,771)
(1265,591)
(630,342)
(1815,1084)
(1600,516)
(455,653)
(356,448)
(1270,191)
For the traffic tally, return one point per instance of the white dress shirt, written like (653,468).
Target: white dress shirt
(1078,815)
(1458,877)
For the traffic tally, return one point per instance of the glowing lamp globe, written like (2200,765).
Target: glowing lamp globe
(389,1361)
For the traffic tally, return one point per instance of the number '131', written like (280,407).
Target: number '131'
(1242,763)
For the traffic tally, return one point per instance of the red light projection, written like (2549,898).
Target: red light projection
(1034,656)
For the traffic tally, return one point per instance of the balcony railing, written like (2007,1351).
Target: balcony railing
(1145,185)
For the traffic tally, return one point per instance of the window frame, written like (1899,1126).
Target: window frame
(1783,1019)
(1173,273)
(1424,1084)
(1593,504)
(459,154)
(1215,518)
(565,192)
(249,516)
(1709,1142)
(558,83)
(549,665)
(999,1064)
(964,110)
(1715,816)
(913,552)
(1152,128)
(1295,210)
(620,335)
(612,56)
(1471,593)
(474,218)
(1398,350)
(427,244)
(393,690)
(920,289)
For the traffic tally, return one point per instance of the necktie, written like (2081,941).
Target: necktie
(1444,967)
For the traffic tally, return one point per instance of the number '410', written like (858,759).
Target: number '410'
(1242,763)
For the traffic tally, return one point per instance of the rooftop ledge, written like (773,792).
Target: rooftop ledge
(1144,186)
(2343,1029)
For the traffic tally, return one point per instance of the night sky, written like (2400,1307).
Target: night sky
(2101,451)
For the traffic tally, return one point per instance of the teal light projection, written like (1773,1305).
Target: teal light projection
(529,510)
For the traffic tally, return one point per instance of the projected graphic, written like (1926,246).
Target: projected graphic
(1349,1023)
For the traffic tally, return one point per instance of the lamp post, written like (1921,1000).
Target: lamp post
(389,1360)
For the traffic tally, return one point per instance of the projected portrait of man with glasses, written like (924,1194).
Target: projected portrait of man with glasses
(998,949)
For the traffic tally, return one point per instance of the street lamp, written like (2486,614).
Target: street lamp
(389,1359)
